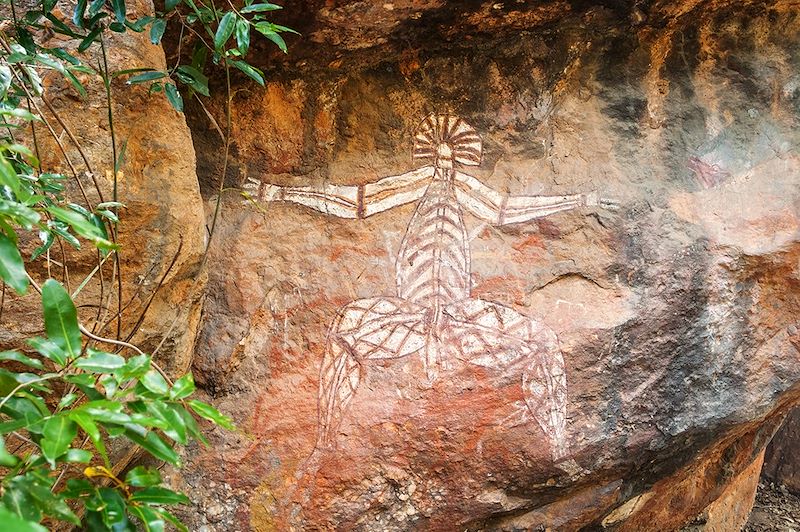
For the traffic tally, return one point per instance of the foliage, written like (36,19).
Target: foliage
(224,33)
(66,401)
(71,399)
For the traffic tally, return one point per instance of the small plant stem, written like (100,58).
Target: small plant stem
(54,135)
(124,344)
(115,163)
(89,277)
(218,205)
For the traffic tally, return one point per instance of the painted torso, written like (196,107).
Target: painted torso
(433,262)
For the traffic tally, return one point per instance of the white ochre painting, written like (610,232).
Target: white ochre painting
(433,315)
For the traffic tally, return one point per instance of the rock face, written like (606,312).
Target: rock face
(781,463)
(365,405)
(161,233)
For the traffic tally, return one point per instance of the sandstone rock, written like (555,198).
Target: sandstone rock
(162,225)
(781,463)
(675,315)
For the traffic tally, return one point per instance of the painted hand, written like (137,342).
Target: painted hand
(254,190)
(593,199)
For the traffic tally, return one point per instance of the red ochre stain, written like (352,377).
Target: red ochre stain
(508,287)
(343,251)
(532,241)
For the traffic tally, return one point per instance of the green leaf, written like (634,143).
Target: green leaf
(159,495)
(210,413)
(106,411)
(67,400)
(78,487)
(12,269)
(5,80)
(18,499)
(78,14)
(62,230)
(154,382)
(175,426)
(147,76)
(61,318)
(83,226)
(259,8)
(194,78)
(113,508)
(95,7)
(157,30)
(191,424)
(199,57)
(8,176)
(183,387)
(110,205)
(119,9)
(60,27)
(142,477)
(16,356)
(20,113)
(110,384)
(242,35)
(14,523)
(76,84)
(152,521)
(134,368)
(109,215)
(48,502)
(277,39)
(25,38)
(174,97)
(85,422)
(139,24)
(11,426)
(279,28)
(19,213)
(49,350)
(169,5)
(153,444)
(172,519)
(100,362)
(59,431)
(80,456)
(89,39)
(251,71)
(225,30)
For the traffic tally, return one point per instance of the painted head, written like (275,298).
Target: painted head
(447,140)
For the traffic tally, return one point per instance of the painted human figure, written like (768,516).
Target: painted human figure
(433,314)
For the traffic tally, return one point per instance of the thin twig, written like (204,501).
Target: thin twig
(77,145)
(89,277)
(142,314)
(228,100)
(53,134)
(124,344)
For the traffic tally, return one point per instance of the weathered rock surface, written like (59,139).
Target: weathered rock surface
(162,229)
(676,315)
(782,459)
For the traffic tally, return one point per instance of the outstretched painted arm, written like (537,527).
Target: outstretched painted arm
(349,201)
(498,209)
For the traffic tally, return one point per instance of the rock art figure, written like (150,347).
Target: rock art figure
(433,315)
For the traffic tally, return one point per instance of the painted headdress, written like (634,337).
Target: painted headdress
(447,136)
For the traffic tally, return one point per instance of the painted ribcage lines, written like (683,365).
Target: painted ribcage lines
(433,261)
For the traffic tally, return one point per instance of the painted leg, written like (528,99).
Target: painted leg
(366,329)
(492,335)
(338,380)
